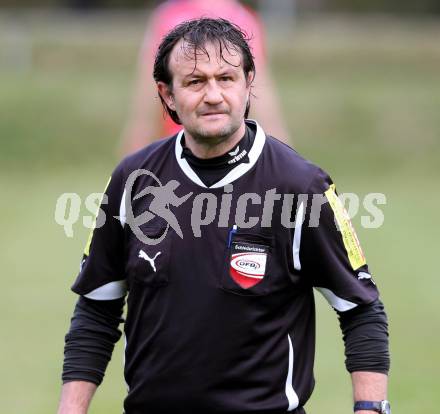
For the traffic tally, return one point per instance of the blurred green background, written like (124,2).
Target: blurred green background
(361,96)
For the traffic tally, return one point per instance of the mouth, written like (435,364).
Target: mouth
(213,114)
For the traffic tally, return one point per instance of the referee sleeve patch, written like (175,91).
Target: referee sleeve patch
(349,237)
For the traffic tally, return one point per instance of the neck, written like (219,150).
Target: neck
(214,147)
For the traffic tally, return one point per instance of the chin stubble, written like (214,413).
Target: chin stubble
(206,138)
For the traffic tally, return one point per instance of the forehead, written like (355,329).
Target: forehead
(185,59)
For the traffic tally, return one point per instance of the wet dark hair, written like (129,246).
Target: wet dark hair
(196,33)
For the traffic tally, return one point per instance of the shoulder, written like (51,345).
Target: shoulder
(147,157)
(293,171)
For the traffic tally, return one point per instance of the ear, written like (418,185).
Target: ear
(166,94)
(250,79)
(249,82)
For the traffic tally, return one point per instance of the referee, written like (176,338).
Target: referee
(215,239)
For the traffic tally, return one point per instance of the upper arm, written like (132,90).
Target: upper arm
(101,275)
(330,251)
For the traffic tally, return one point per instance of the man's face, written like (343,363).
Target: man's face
(210,94)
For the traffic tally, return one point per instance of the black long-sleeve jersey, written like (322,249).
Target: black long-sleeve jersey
(94,331)
(219,279)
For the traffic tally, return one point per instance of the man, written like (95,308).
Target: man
(146,121)
(220,310)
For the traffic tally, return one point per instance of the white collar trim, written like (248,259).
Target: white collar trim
(235,173)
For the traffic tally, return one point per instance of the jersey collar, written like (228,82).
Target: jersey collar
(235,173)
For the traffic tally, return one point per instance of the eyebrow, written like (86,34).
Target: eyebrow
(197,74)
(227,73)
(193,74)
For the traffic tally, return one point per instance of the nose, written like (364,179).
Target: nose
(213,93)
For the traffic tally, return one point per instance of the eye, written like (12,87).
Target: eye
(194,82)
(226,78)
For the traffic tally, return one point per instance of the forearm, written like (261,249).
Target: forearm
(365,333)
(90,340)
(369,386)
(76,397)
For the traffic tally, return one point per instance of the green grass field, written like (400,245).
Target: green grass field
(362,99)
